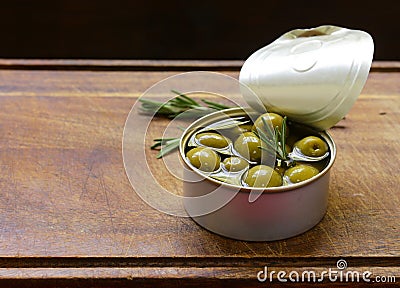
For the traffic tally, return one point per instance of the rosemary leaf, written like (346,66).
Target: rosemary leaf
(147,101)
(277,143)
(165,109)
(187,99)
(267,127)
(215,105)
(168,147)
(164,139)
(283,138)
(155,146)
(264,138)
(270,151)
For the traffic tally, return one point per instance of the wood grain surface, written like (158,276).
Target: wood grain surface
(69,216)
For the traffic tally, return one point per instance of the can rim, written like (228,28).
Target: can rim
(268,190)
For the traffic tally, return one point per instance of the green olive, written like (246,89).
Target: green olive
(312,146)
(245,128)
(275,119)
(319,165)
(204,159)
(263,176)
(236,131)
(300,172)
(211,139)
(248,145)
(234,164)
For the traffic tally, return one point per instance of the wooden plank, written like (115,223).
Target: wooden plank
(64,192)
(62,173)
(148,65)
(127,84)
(120,65)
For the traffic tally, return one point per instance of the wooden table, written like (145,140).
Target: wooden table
(69,216)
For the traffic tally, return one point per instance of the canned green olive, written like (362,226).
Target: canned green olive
(312,146)
(211,139)
(276,120)
(263,176)
(204,159)
(248,145)
(234,164)
(300,172)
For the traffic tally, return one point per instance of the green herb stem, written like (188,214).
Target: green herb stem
(274,141)
(181,103)
(171,109)
(165,145)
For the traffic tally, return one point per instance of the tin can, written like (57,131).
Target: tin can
(278,213)
(313,76)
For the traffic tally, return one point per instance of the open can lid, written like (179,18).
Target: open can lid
(313,76)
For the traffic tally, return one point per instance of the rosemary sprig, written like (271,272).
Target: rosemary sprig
(174,107)
(276,143)
(181,103)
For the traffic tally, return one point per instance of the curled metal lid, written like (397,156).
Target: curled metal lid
(313,76)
